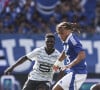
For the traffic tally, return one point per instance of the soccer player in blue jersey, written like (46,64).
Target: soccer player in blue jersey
(74,53)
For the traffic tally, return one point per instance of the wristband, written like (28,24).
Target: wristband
(57,63)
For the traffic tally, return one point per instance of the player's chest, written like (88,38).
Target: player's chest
(46,58)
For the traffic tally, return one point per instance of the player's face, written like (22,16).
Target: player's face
(50,42)
(63,33)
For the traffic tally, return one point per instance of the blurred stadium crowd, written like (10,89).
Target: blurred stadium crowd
(41,16)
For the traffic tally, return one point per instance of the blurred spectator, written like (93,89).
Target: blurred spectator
(52,24)
(3,4)
(24,28)
(1,26)
(28,9)
(97,20)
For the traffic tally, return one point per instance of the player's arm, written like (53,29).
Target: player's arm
(59,61)
(60,74)
(81,55)
(18,62)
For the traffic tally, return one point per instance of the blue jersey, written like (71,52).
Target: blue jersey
(72,46)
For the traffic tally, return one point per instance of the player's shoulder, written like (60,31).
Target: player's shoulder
(39,49)
(57,51)
(74,39)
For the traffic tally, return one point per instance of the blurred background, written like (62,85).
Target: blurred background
(24,23)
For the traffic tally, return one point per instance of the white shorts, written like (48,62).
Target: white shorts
(72,81)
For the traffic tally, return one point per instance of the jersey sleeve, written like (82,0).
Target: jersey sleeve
(32,55)
(76,44)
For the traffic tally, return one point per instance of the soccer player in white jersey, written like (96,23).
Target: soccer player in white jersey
(74,53)
(42,73)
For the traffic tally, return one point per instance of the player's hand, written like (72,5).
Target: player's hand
(8,71)
(65,67)
(55,68)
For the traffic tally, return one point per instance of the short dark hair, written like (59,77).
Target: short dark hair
(49,35)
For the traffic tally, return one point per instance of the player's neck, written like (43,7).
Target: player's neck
(49,51)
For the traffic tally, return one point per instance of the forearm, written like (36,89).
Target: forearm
(62,56)
(78,59)
(19,61)
(60,59)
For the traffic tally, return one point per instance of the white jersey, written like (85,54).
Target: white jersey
(42,69)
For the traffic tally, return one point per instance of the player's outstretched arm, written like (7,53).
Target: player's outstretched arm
(19,61)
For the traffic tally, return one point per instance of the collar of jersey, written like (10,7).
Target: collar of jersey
(66,41)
